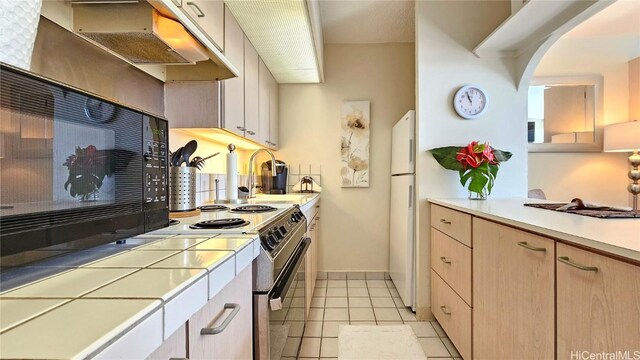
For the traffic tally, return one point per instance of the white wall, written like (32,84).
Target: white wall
(446,33)
(599,177)
(355,221)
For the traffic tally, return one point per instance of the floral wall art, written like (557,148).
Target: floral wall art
(355,122)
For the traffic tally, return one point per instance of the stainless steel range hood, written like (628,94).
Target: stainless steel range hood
(137,32)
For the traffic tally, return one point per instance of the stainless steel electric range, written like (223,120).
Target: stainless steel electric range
(278,271)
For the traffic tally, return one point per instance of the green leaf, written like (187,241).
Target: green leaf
(464,176)
(478,182)
(502,156)
(446,157)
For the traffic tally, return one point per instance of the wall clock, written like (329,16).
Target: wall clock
(98,110)
(470,101)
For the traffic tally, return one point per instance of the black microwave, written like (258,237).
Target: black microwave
(76,170)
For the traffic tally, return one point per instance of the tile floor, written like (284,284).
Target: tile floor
(361,301)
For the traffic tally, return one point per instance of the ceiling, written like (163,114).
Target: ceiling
(608,39)
(367,21)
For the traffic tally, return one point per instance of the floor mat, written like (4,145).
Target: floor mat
(378,342)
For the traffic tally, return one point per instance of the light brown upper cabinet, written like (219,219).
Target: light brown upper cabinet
(233,89)
(274,113)
(251,93)
(268,108)
(208,15)
(598,303)
(513,293)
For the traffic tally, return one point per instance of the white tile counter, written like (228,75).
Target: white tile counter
(620,237)
(122,306)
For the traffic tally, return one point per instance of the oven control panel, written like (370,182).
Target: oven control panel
(274,234)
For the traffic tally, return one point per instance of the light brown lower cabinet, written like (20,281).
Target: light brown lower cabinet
(311,265)
(175,347)
(453,314)
(598,304)
(235,342)
(513,293)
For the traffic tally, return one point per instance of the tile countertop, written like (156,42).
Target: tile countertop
(126,304)
(620,237)
(122,305)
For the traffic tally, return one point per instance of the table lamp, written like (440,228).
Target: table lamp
(625,137)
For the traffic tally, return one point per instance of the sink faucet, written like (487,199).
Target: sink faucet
(273,166)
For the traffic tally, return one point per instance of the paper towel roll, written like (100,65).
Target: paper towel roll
(232,174)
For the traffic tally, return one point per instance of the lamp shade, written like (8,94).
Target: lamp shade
(622,137)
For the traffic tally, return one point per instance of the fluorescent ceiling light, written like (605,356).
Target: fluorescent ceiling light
(283,34)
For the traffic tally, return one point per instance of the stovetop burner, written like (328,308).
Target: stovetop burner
(253,209)
(220,224)
(213,208)
(173,222)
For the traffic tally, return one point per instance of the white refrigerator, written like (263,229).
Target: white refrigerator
(402,208)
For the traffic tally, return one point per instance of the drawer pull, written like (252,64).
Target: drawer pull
(445,221)
(444,310)
(225,323)
(565,259)
(197,8)
(532,248)
(445,260)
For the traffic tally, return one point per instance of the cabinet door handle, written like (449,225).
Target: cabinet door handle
(225,323)
(251,132)
(532,248)
(565,259)
(445,260)
(444,310)
(445,221)
(197,8)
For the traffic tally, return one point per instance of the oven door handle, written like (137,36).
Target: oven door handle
(281,287)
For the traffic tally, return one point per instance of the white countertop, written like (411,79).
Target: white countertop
(619,237)
(151,289)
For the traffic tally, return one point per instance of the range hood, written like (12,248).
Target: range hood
(137,32)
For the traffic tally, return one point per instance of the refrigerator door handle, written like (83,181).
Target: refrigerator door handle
(410,196)
(410,151)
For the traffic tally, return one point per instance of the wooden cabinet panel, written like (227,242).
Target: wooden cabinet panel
(452,261)
(453,223)
(273,114)
(209,16)
(598,310)
(233,114)
(513,293)
(315,245)
(192,104)
(175,347)
(264,102)
(453,314)
(236,341)
(251,92)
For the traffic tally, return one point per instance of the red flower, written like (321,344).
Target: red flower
(468,156)
(474,155)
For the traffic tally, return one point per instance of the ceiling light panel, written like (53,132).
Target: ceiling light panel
(281,32)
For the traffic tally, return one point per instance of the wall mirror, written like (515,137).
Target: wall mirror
(565,114)
(584,80)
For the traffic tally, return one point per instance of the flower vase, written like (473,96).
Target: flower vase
(478,195)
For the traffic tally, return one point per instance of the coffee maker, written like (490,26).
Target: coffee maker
(274,182)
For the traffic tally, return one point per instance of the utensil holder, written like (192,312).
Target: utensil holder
(182,188)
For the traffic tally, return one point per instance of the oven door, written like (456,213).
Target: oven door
(279,314)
